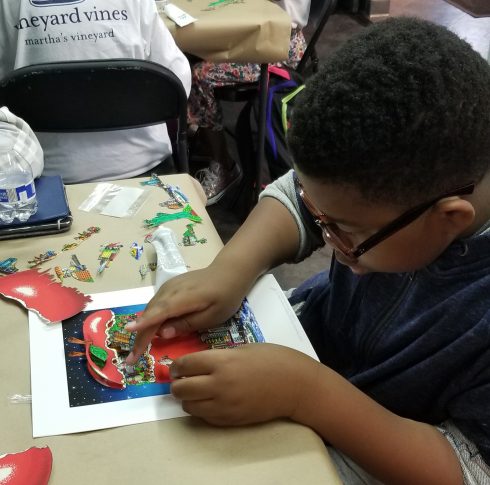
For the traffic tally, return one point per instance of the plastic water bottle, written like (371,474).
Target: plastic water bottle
(17,191)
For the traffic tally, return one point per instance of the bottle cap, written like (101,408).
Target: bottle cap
(16,134)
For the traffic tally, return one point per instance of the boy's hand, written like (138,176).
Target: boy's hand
(192,301)
(249,384)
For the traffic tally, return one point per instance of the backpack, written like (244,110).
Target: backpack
(284,86)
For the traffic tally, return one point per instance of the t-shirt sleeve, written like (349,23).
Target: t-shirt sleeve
(284,190)
(475,470)
(161,46)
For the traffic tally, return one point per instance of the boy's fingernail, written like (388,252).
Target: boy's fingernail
(130,326)
(173,372)
(169,332)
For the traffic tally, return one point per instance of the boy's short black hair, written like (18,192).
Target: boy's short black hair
(401,112)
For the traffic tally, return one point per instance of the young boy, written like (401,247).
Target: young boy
(392,148)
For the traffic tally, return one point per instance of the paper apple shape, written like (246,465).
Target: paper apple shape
(30,467)
(38,292)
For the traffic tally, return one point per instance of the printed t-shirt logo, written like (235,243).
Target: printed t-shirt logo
(50,3)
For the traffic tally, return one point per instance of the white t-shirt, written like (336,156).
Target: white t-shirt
(38,31)
(298,10)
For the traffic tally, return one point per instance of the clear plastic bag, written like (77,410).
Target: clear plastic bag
(114,200)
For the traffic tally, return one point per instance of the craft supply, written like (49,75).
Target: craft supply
(176,194)
(161,217)
(20,399)
(146,268)
(154,181)
(136,250)
(42,258)
(170,262)
(189,237)
(176,14)
(82,236)
(76,270)
(114,200)
(107,255)
(29,467)
(7,266)
(39,292)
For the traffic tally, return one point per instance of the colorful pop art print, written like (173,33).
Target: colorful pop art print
(52,413)
(93,379)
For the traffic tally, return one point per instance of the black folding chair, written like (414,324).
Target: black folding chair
(99,95)
(320,12)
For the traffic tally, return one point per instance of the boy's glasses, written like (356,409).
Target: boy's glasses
(339,240)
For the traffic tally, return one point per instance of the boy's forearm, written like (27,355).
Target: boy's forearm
(393,449)
(267,238)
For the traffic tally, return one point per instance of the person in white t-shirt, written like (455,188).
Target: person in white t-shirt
(38,31)
(204,111)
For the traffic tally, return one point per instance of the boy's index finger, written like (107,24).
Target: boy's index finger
(143,338)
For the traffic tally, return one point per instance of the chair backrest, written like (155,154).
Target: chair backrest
(320,11)
(98,95)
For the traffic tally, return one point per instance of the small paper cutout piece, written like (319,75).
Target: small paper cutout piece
(82,236)
(153,181)
(42,258)
(136,250)
(38,292)
(76,270)
(7,266)
(146,268)
(161,217)
(107,254)
(29,467)
(189,237)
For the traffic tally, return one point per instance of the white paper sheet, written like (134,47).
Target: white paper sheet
(51,413)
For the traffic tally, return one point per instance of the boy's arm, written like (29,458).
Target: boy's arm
(205,298)
(288,383)
(393,449)
(267,238)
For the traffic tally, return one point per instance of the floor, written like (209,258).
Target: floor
(339,28)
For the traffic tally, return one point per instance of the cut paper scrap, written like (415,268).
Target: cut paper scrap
(107,254)
(136,250)
(76,270)
(161,217)
(29,467)
(42,258)
(189,237)
(146,268)
(7,266)
(38,291)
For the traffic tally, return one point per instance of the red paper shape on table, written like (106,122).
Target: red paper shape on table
(96,332)
(39,292)
(30,467)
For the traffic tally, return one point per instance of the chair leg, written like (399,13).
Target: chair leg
(260,158)
(183,156)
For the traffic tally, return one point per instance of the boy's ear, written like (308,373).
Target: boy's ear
(455,214)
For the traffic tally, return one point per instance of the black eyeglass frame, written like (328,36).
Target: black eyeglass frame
(328,228)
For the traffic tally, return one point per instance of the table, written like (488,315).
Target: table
(255,31)
(247,31)
(172,452)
